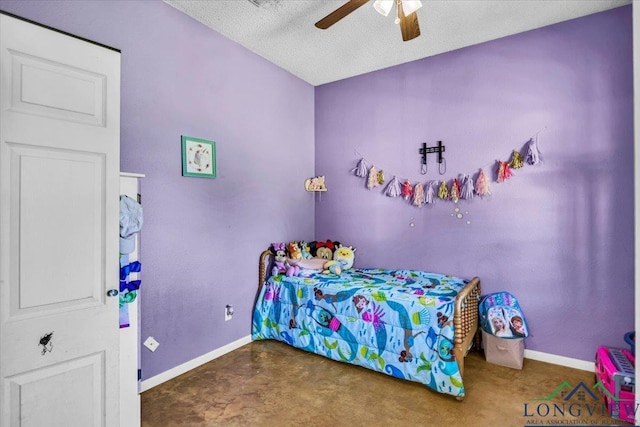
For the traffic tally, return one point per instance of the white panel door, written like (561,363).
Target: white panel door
(59,188)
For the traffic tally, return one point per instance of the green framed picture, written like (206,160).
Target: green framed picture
(198,157)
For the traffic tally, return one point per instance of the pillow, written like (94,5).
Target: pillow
(308,263)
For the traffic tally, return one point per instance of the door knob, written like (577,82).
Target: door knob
(112,292)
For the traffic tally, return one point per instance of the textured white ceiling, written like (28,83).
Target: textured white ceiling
(283,31)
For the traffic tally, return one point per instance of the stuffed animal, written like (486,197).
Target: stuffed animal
(325,249)
(280,258)
(294,250)
(332,267)
(292,270)
(345,255)
(305,250)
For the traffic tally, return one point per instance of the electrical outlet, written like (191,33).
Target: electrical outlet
(151,344)
(228,312)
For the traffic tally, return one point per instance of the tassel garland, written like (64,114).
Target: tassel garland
(516,160)
(407,190)
(464,187)
(482,184)
(533,155)
(504,172)
(372,180)
(443,192)
(393,188)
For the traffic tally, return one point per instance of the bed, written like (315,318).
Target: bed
(410,324)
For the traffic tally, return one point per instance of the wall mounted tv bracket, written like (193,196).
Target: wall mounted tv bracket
(441,160)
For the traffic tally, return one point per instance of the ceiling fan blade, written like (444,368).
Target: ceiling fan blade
(408,24)
(339,13)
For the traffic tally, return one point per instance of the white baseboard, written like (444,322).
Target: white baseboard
(560,360)
(192,364)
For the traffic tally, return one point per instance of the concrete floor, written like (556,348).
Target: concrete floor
(267,383)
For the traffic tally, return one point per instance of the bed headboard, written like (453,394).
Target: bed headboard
(264,269)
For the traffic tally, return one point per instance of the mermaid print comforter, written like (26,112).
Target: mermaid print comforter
(399,322)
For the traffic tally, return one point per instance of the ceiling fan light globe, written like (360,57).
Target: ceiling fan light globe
(410,6)
(383,7)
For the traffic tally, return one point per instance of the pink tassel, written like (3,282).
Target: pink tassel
(418,195)
(430,194)
(372,181)
(467,188)
(482,184)
(407,190)
(504,172)
(454,194)
(361,170)
(393,188)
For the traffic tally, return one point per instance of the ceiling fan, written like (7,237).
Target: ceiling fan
(407,17)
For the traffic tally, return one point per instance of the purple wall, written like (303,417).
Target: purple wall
(558,235)
(201,237)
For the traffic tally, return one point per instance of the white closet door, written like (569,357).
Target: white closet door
(59,185)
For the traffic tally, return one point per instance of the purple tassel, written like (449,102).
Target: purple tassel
(533,154)
(430,193)
(361,170)
(467,187)
(393,188)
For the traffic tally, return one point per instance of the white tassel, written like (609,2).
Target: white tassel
(393,188)
(467,187)
(533,154)
(361,170)
(430,194)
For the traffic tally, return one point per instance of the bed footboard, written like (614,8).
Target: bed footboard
(465,320)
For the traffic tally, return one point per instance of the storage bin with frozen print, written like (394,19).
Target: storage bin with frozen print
(504,329)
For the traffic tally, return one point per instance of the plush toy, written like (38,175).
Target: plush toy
(325,249)
(292,270)
(280,257)
(294,250)
(345,255)
(332,267)
(305,250)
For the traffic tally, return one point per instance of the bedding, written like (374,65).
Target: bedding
(413,325)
